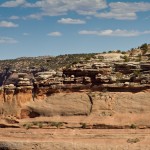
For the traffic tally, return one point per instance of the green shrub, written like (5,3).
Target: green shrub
(83,125)
(126,58)
(27,126)
(133,140)
(139,58)
(137,73)
(35,123)
(123,52)
(144,48)
(119,75)
(56,124)
(118,51)
(40,125)
(133,126)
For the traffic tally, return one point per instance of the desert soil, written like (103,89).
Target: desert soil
(75,139)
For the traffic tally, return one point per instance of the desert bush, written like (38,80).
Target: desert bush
(27,125)
(35,123)
(126,58)
(139,58)
(83,125)
(119,75)
(123,52)
(40,125)
(133,140)
(133,126)
(56,124)
(144,48)
(137,73)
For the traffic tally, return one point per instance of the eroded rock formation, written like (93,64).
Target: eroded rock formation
(104,85)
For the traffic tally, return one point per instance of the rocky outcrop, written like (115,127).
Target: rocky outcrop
(104,92)
(67,92)
(63,104)
(109,103)
(23,96)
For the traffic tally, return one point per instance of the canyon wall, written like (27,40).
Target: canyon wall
(100,89)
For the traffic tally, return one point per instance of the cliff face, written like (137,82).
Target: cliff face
(63,104)
(121,102)
(100,87)
(13,100)
(1,96)
(24,103)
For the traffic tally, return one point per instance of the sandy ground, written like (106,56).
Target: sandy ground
(119,109)
(75,139)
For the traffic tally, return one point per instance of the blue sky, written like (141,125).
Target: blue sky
(54,27)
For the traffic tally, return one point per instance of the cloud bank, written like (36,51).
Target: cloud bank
(117,33)
(7,40)
(55,34)
(71,21)
(8,24)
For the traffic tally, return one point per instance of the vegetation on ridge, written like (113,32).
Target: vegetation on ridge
(61,61)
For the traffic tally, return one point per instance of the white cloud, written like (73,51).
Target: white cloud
(14,17)
(8,24)
(117,32)
(7,40)
(118,16)
(124,11)
(33,16)
(13,3)
(129,7)
(117,10)
(61,7)
(57,34)
(88,32)
(71,21)
(26,34)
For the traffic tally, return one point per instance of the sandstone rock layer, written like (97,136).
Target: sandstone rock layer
(63,104)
